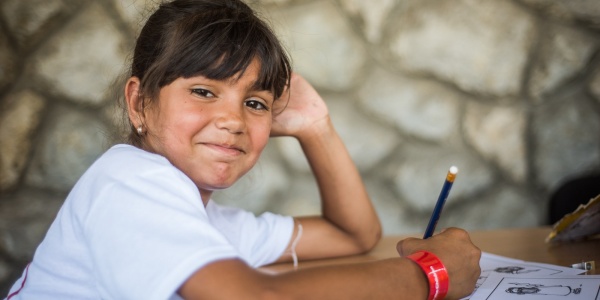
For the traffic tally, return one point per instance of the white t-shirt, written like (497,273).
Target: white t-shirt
(135,227)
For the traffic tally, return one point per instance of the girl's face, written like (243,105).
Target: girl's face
(213,131)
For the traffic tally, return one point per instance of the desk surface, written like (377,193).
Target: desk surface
(524,243)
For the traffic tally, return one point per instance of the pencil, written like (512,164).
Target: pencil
(437,210)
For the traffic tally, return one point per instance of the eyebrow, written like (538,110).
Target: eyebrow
(254,86)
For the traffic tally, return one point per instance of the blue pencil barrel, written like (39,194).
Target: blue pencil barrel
(439,205)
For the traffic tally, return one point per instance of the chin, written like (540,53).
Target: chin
(219,185)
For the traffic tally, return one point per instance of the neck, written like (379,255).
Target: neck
(205,196)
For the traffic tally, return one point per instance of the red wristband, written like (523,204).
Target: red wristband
(435,271)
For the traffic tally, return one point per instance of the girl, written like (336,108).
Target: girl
(209,85)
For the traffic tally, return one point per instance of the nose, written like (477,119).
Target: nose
(231,119)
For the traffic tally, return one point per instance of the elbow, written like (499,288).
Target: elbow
(373,233)
(376,236)
(371,238)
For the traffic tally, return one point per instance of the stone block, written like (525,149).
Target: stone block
(481,46)
(370,15)
(498,134)
(418,179)
(34,210)
(300,199)
(584,11)
(30,19)
(82,61)
(19,118)
(321,44)
(420,108)
(71,143)
(8,63)
(565,139)
(135,12)
(594,85)
(367,142)
(503,206)
(563,54)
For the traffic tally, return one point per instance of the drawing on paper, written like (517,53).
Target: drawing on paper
(500,286)
(499,266)
(540,289)
(513,270)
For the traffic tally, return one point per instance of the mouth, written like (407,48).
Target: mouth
(226,149)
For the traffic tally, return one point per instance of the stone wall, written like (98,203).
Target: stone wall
(507,90)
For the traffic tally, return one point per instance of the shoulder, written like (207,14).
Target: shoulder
(126,155)
(126,165)
(126,178)
(125,161)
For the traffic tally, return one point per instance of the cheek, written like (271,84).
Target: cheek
(178,123)
(153,118)
(261,136)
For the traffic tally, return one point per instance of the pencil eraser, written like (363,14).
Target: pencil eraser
(453,170)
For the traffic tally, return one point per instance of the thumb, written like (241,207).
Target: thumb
(407,246)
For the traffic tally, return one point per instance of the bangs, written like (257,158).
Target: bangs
(223,49)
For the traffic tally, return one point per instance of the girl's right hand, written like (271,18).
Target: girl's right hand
(300,111)
(458,254)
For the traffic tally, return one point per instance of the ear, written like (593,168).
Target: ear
(134,102)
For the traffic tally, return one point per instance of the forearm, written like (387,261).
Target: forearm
(393,278)
(396,278)
(345,202)
(387,279)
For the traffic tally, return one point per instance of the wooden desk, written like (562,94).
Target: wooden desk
(525,243)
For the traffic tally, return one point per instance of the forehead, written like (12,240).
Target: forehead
(249,77)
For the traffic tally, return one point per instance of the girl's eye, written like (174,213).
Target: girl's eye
(257,105)
(203,93)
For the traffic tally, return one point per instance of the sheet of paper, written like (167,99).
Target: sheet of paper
(495,264)
(562,287)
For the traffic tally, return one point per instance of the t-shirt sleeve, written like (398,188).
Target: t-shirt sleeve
(147,234)
(260,240)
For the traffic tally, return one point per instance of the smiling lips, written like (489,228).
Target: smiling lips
(225,149)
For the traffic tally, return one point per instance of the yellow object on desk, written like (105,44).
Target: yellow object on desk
(583,223)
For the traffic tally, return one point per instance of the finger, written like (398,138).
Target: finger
(400,247)
(407,246)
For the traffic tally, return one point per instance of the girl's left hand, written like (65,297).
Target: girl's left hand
(299,111)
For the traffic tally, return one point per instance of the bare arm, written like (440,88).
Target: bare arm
(395,278)
(355,281)
(349,223)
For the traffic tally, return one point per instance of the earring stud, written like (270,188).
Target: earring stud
(140,130)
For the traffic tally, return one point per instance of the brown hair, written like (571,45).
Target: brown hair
(216,39)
